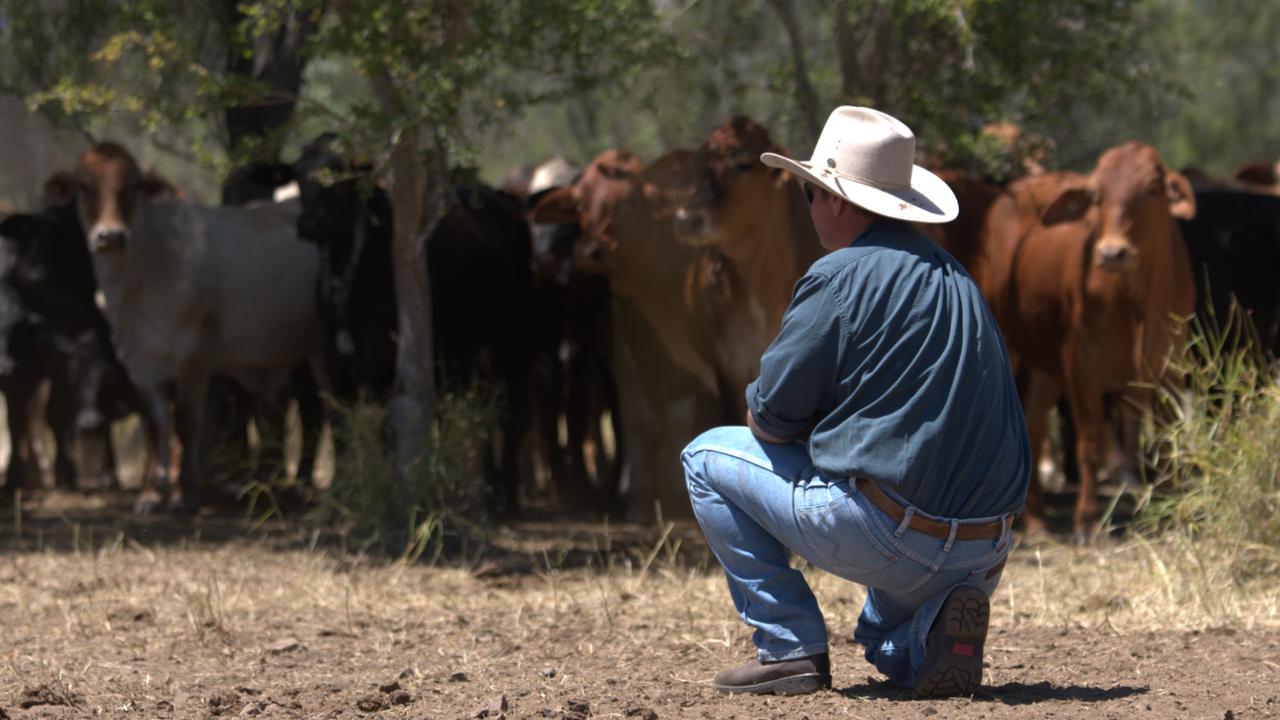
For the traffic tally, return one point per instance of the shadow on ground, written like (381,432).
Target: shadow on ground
(1013,693)
(57,521)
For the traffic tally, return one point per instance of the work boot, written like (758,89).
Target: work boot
(953,650)
(785,677)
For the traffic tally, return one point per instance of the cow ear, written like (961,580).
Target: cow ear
(1258,174)
(59,189)
(781,177)
(20,228)
(1182,198)
(1071,205)
(153,187)
(558,207)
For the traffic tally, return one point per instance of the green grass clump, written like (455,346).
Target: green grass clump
(446,496)
(1218,491)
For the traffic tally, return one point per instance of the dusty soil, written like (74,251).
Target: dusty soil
(195,618)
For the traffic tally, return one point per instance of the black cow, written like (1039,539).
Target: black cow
(572,360)
(478,262)
(1234,244)
(59,335)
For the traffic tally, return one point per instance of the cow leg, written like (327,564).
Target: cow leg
(229,409)
(1039,395)
(157,420)
(547,390)
(579,416)
(514,431)
(269,413)
(61,414)
(17,397)
(109,474)
(306,389)
(193,386)
(1087,409)
(610,403)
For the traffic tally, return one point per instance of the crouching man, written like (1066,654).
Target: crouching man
(885,442)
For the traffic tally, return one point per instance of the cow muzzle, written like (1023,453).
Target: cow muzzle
(89,419)
(594,257)
(692,225)
(108,239)
(1116,256)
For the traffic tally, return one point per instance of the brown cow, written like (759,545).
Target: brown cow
(754,226)
(666,387)
(1086,276)
(1262,177)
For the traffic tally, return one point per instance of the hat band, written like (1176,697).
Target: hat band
(862,180)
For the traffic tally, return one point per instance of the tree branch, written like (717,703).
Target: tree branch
(804,89)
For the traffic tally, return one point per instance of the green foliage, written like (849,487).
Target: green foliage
(946,67)
(1221,59)
(447,493)
(1219,491)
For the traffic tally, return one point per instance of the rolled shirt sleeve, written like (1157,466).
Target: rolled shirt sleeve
(796,387)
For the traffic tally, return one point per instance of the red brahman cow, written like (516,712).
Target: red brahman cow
(1086,277)
(667,388)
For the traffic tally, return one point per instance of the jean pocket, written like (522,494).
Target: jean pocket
(838,540)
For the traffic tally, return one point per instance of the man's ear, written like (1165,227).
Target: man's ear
(1069,206)
(1182,198)
(558,207)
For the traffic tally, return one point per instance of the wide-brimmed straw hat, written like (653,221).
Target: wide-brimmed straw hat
(868,158)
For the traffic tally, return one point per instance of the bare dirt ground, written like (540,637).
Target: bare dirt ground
(108,615)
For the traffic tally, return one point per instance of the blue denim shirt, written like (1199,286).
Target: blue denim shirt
(891,365)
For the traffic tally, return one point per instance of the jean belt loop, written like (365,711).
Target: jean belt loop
(951,536)
(906,521)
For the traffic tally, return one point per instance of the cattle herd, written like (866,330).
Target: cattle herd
(621,307)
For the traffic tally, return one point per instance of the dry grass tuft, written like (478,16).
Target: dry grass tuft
(1214,504)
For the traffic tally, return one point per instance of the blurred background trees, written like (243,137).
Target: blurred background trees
(1197,78)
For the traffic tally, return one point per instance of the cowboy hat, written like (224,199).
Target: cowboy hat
(868,158)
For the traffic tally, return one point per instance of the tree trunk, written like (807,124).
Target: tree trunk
(277,61)
(415,184)
(804,89)
(847,47)
(419,198)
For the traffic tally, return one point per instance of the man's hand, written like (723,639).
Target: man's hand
(761,434)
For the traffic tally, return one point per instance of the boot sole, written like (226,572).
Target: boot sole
(794,685)
(953,652)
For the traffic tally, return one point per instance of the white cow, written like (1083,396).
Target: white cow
(189,291)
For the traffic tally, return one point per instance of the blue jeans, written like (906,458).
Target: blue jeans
(757,503)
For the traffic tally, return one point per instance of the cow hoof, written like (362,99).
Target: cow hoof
(146,505)
(1084,536)
(1034,529)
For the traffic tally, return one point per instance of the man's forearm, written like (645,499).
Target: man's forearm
(761,434)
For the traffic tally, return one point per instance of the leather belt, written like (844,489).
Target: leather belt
(933,528)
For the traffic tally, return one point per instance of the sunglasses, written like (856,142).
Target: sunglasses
(809,192)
